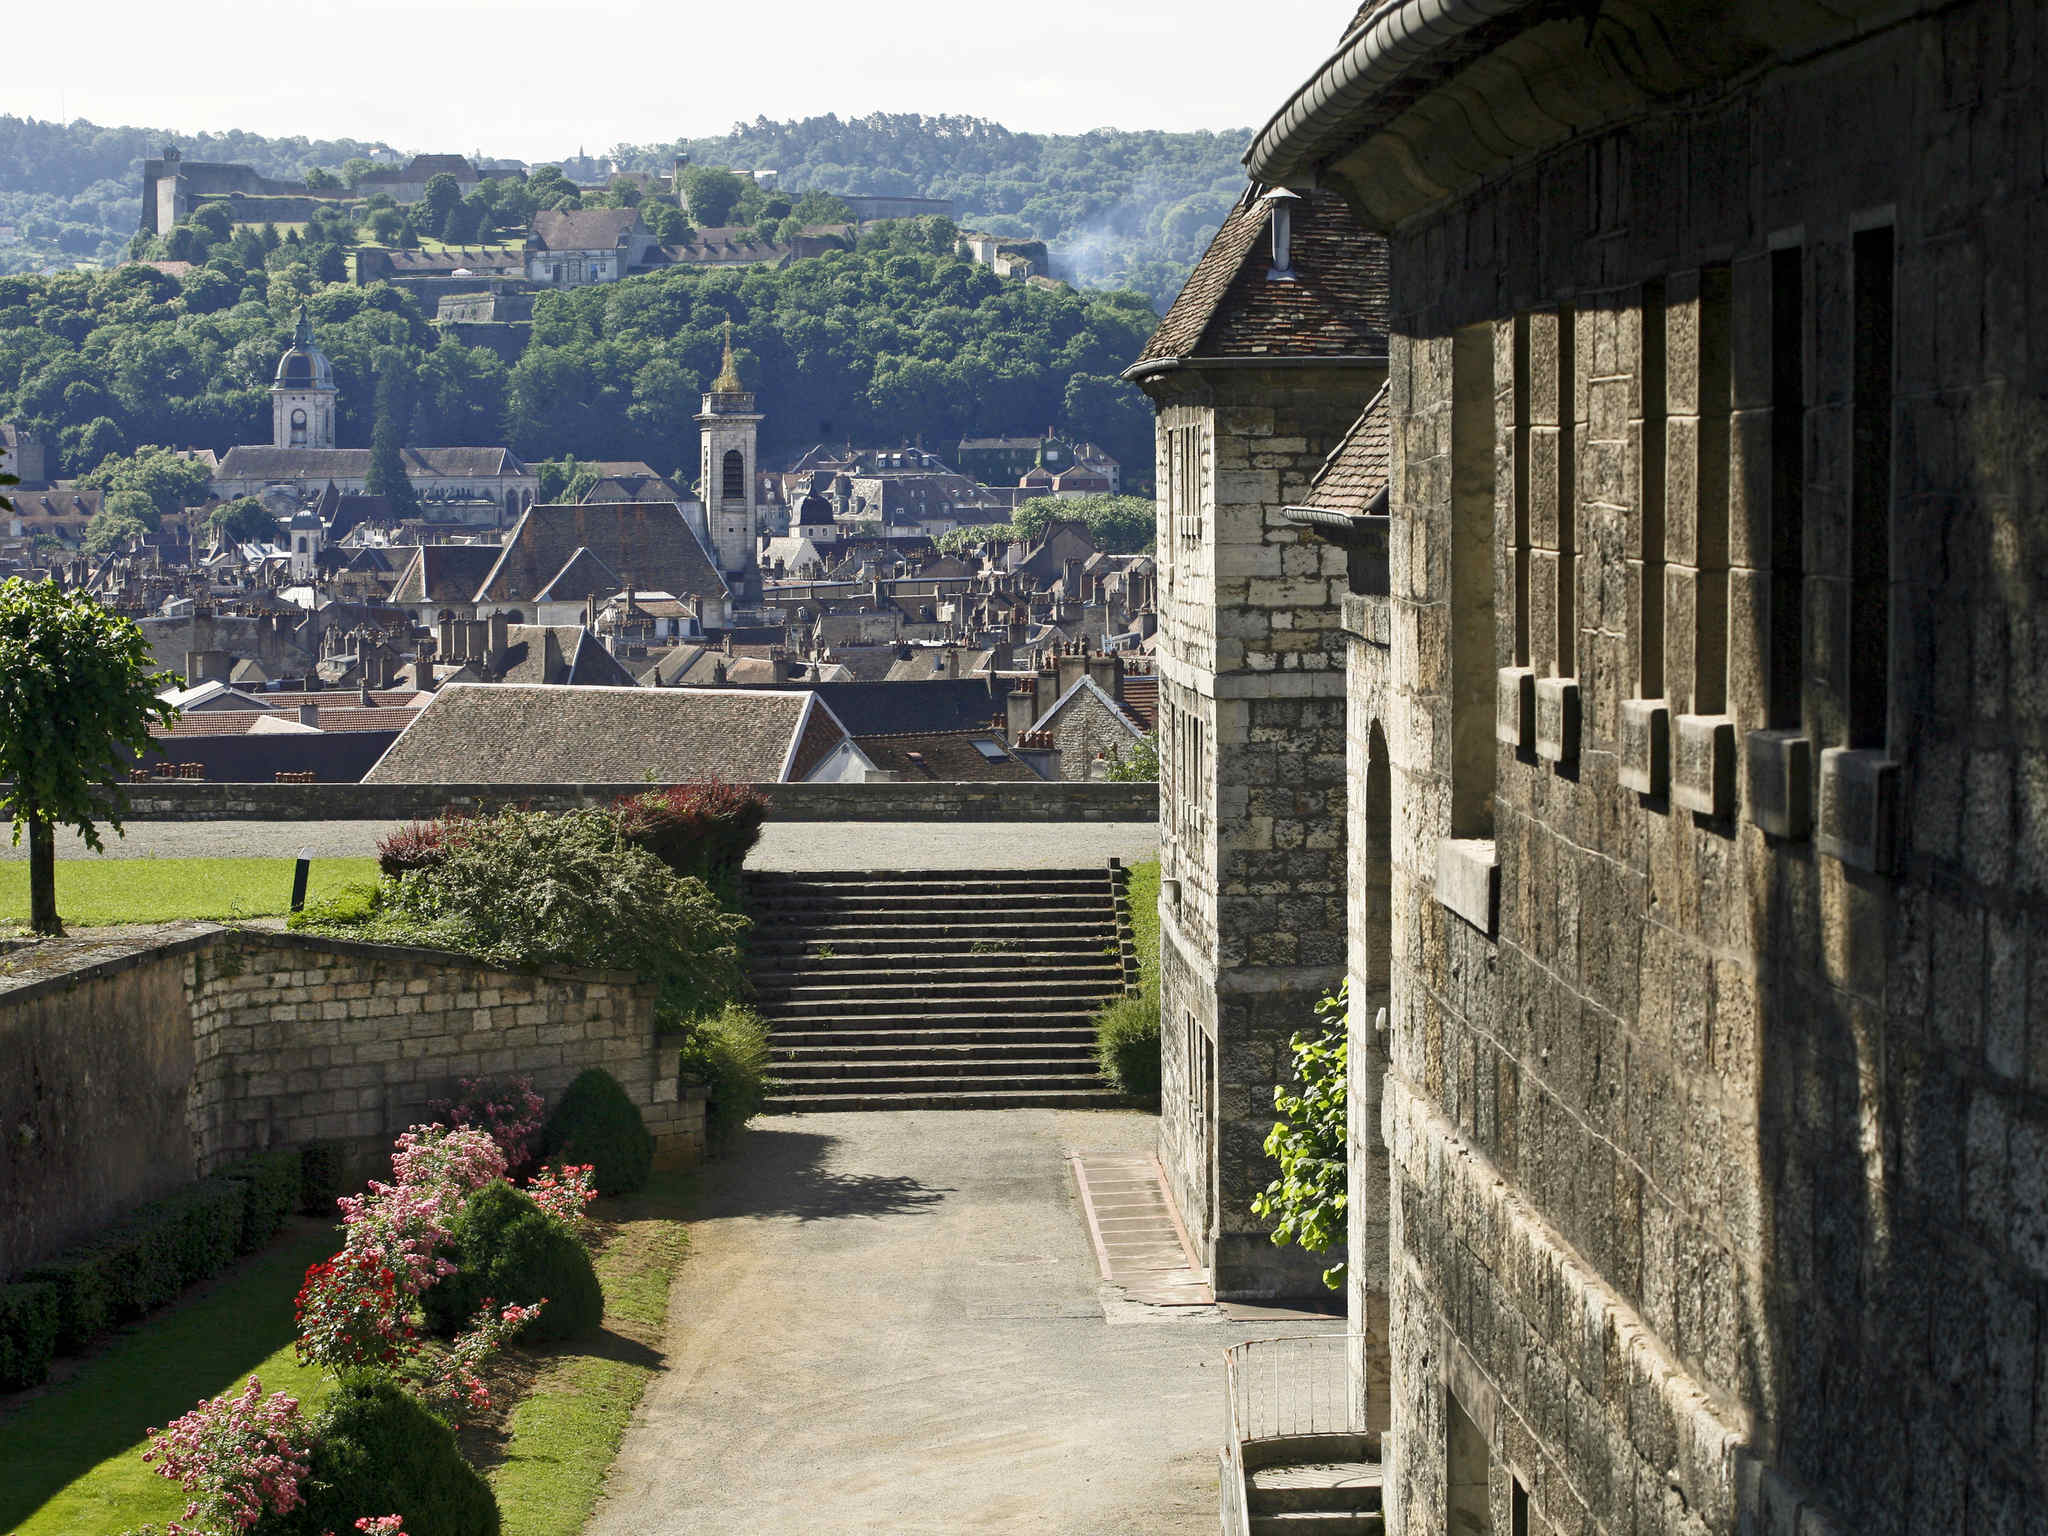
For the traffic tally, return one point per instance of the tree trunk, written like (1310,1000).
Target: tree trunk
(42,878)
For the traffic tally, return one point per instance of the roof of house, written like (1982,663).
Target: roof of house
(1335,306)
(584,229)
(1086,692)
(649,543)
(950,756)
(262,462)
(578,657)
(245,722)
(500,733)
(583,576)
(1141,701)
(1360,467)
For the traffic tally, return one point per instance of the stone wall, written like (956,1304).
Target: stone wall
(181,800)
(1718,1142)
(123,1075)
(1252,748)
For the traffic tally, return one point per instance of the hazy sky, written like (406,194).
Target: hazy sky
(534,78)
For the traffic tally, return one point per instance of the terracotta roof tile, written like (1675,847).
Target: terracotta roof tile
(1361,464)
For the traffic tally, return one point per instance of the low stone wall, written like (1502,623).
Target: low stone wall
(128,1070)
(194,800)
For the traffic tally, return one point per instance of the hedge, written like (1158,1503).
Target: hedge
(272,1182)
(319,1177)
(28,1334)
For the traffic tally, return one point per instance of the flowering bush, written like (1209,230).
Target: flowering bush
(449,1384)
(350,1314)
(381,1525)
(511,1112)
(462,1159)
(564,1190)
(418,845)
(241,1458)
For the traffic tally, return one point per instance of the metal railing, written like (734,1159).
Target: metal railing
(1278,1388)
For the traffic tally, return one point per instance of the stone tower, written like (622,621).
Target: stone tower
(728,424)
(303,396)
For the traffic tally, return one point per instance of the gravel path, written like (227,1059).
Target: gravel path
(785,845)
(893,1322)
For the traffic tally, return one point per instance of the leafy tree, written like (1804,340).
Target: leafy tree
(667,222)
(711,194)
(386,476)
(1140,765)
(385,224)
(114,525)
(320,179)
(100,441)
(442,193)
(244,521)
(77,698)
(167,481)
(1307,1201)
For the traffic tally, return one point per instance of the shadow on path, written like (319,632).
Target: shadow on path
(781,1172)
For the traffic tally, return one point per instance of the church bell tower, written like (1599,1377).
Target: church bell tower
(727,426)
(303,396)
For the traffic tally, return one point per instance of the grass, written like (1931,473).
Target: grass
(567,1429)
(95,893)
(71,1455)
(1127,1028)
(1144,899)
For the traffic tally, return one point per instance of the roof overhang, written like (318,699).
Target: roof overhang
(1425,99)
(1138,372)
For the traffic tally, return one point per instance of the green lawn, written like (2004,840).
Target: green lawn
(71,1459)
(1144,899)
(97,892)
(567,1430)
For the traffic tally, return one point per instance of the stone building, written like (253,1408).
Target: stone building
(1259,368)
(1698,805)
(728,427)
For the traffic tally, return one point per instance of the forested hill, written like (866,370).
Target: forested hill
(1120,208)
(897,340)
(72,191)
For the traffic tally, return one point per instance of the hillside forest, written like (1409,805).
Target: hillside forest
(896,340)
(1118,208)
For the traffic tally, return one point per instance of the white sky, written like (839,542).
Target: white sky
(540,78)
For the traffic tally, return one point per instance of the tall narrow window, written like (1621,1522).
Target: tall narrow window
(1710,646)
(1870,472)
(1468,1468)
(1471,594)
(1650,640)
(1788,491)
(1185,473)
(1567,500)
(1521,453)
(734,486)
(1518,1509)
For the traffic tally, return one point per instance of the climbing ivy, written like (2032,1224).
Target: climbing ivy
(1307,1201)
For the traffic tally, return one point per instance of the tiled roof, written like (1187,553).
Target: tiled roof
(1336,306)
(261,462)
(646,542)
(1141,701)
(1359,467)
(579,656)
(498,733)
(240,722)
(583,229)
(948,756)
(445,573)
(584,575)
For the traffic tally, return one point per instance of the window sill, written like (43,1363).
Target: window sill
(1859,809)
(1468,880)
(1703,765)
(1778,773)
(1646,746)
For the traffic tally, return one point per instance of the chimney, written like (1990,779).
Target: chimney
(309,714)
(1020,711)
(1280,203)
(1148,623)
(1107,670)
(498,640)
(364,698)
(422,675)
(550,655)
(949,662)
(1002,657)
(1073,667)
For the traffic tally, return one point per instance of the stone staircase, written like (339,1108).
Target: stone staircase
(934,990)
(1314,1485)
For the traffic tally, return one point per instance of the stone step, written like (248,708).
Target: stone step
(1342,1488)
(1319,1522)
(795,916)
(985,893)
(946,1035)
(817,991)
(991,1013)
(871,1097)
(1057,1080)
(854,953)
(902,932)
(943,879)
(932,1045)
(795,1076)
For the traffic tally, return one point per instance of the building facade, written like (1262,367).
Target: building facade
(728,426)
(1697,808)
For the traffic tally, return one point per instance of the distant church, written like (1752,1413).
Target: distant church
(301,455)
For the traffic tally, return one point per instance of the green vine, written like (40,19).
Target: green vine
(1307,1201)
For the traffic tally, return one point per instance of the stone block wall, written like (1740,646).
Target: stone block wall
(128,1070)
(1717,1158)
(1252,748)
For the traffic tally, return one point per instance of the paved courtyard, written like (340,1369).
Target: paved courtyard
(893,1322)
(785,845)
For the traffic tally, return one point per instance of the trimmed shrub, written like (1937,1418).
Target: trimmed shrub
(356,902)
(595,1123)
(417,845)
(728,1052)
(319,1177)
(508,1249)
(83,1296)
(377,1448)
(706,830)
(205,1225)
(28,1333)
(1127,1046)
(271,1182)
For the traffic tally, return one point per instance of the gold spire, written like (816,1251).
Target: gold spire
(728,380)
